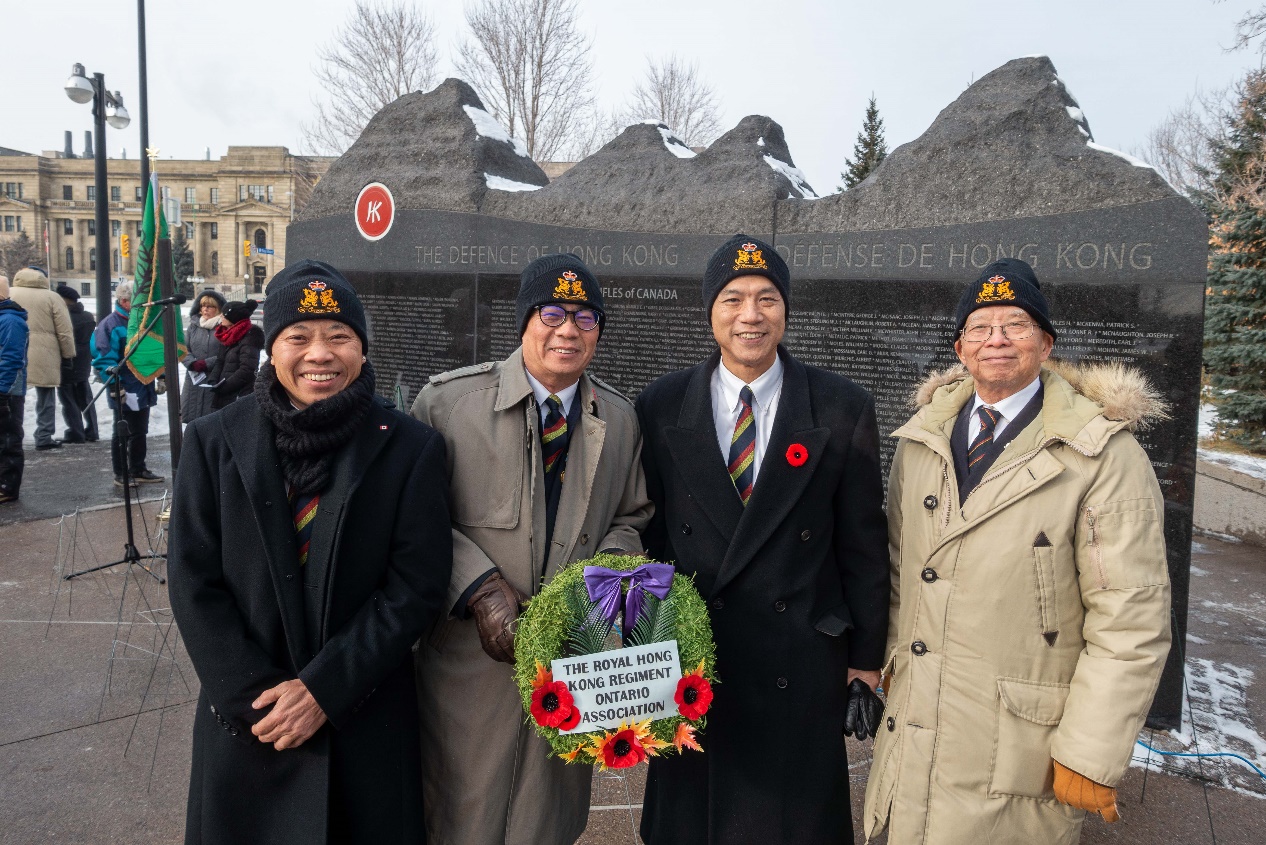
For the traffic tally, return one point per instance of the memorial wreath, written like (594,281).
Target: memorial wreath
(631,644)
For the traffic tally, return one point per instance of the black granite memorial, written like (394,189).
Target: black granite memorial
(1009,169)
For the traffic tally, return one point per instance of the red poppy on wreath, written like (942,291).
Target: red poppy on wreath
(694,694)
(622,749)
(797,454)
(552,704)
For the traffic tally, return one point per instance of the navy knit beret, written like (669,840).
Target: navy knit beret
(743,255)
(1007,281)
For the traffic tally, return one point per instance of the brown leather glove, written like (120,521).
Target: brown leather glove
(1077,790)
(495,605)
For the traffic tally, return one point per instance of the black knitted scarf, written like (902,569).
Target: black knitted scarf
(308,439)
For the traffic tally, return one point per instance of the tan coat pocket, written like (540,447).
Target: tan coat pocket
(1028,713)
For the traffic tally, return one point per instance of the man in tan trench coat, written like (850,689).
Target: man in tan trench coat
(1030,594)
(52,339)
(544,465)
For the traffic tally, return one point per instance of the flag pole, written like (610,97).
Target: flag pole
(162,259)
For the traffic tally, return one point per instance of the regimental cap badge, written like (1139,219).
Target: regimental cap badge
(995,289)
(570,288)
(317,298)
(749,258)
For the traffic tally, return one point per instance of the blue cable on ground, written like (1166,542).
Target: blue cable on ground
(1244,760)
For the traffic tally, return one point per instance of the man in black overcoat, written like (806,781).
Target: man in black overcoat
(310,547)
(765,477)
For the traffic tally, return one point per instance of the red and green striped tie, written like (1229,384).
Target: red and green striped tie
(305,508)
(743,447)
(555,436)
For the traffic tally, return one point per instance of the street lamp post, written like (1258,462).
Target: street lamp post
(106,106)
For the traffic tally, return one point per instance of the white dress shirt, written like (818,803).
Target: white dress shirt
(1009,408)
(766,390)
(541,392)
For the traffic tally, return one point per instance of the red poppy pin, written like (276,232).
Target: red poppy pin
(797,454)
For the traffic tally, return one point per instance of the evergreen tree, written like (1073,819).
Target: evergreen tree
(182,261)
(18,252)
(1235,302)
(868,151)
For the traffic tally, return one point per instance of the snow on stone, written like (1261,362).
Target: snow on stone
(760,142)
(794,175)
(1137,162)
(500,183)
(1076,114)
(487,126)
(1251,465)
(675,145)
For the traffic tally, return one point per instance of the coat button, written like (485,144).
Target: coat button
(780,606)
(929,502)
(685,528)
(718,603)
(213,710)
(290,577)
(782,683)
(892,724)
(919,647)
(268,504)
(234,732)
(584,538)
(804,535)
(928,575)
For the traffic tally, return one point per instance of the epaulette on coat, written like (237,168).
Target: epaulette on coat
(461,372)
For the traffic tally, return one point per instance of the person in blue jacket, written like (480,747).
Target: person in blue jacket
(129,398)
(13,340)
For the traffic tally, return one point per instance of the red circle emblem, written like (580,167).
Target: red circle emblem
(375,211)
(797,455)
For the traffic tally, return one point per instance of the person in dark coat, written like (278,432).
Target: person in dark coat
(204,354)
(14,335)
(243,341)
(310,547)
(75,393)
(765,477)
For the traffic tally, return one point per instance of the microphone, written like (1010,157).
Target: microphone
(175,299)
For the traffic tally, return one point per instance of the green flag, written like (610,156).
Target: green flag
(147,361)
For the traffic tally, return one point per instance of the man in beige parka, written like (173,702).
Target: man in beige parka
(544,468)
(52,339)
(1030,592)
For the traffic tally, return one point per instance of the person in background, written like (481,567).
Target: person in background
(130,399)
(242,342)
(205,350)
(75,393)
(52,339)
(13,340)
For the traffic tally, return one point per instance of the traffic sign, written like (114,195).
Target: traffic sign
(261,251)
(375,211)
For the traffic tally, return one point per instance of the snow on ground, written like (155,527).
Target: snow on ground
(794,174)
(1218,700)
(1208,417)
(487,126)
(105,417)
(1252,465)
(675,145)
(500,183)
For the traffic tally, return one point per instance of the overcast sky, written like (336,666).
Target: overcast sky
(238,72)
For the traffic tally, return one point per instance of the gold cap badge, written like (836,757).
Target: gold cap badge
(318,299)
(749,258)
(997,289)
(570,288)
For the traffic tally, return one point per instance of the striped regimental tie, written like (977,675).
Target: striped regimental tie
(305,508)
(988,422)
(743,447)
(555,436)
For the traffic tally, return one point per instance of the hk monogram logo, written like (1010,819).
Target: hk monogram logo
(749,258)
(997,289)
(318,299)
(570,287)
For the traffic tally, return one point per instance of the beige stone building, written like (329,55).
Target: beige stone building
(248,196)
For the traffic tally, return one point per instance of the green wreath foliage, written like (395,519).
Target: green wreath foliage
(560,622)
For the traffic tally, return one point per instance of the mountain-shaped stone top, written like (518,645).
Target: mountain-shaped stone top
(647,180)
(1014,144)
(436,150)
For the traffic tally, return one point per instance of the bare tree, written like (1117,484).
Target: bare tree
(674,93)
(530,63)
(380,54)
(1182,146)
(1249,28)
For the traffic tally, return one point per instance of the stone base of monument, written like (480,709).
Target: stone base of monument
(1231,496)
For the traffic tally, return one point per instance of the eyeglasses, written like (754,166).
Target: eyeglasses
(586,319)
(1016,330)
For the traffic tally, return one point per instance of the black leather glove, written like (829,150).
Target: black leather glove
(495,605)
(864,711)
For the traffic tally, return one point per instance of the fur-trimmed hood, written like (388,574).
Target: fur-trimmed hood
(1124,394)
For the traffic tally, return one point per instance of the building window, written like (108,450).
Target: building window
(215,264)
(116,226)
(85,288)
(92,228)
(191,195)
(241,193)
(116,261)
(68,192)
(70,258)
(188,231)
(215,196)
(8,223)
(19,224)
(215,231)
(68,227)
(92,259)
(140,228)
(261,239)
(116,193)
(261,193)
(166,192)
(140,194)
(13,190)
(92,193)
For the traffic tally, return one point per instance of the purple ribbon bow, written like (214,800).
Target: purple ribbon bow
(603,586)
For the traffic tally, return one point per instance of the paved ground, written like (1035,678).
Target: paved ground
(96,750)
